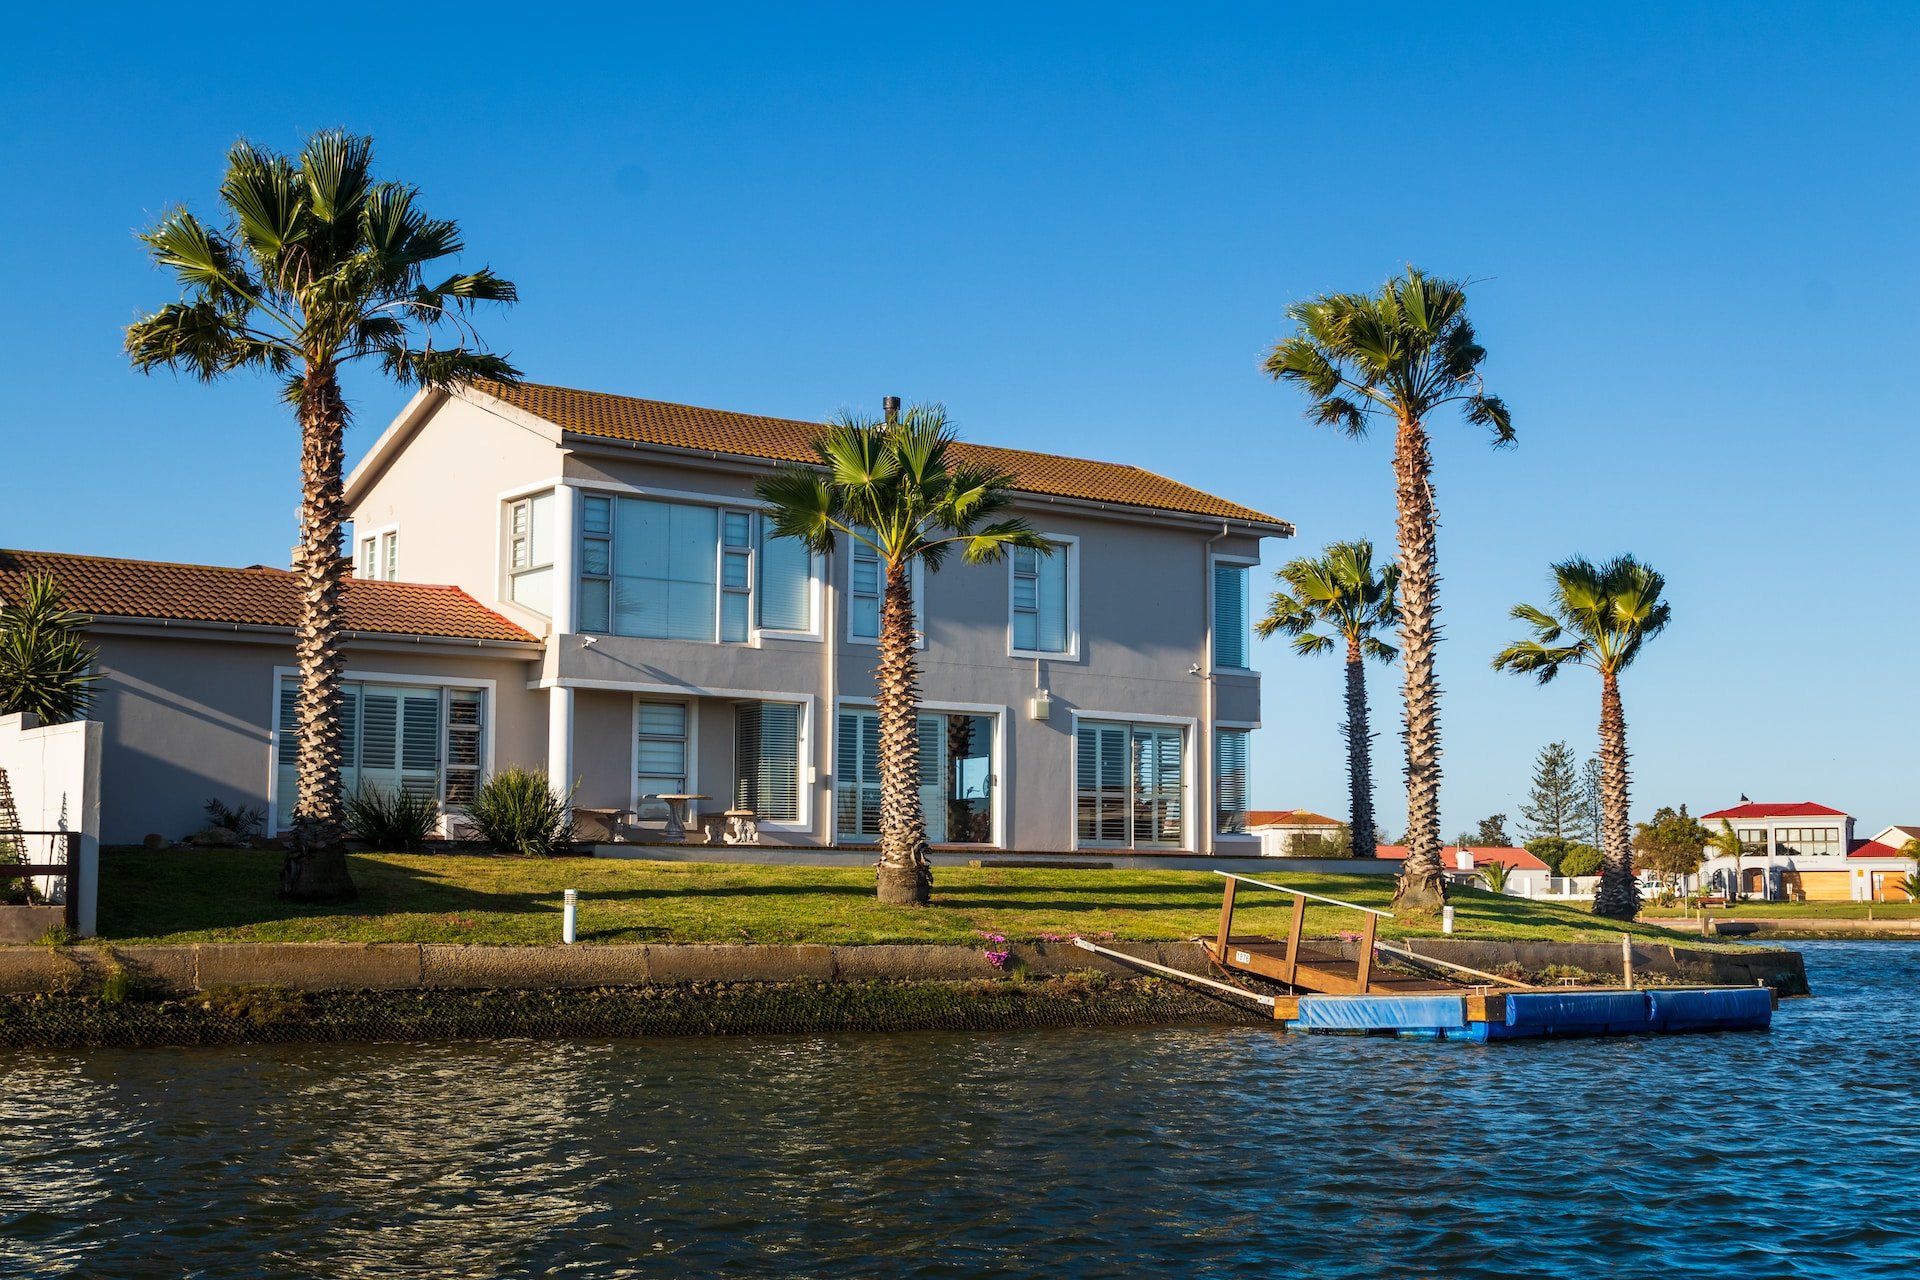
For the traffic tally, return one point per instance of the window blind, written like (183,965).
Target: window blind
(1230,781)
(767,759)
(1231,641)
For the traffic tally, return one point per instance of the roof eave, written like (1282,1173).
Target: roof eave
(206,629)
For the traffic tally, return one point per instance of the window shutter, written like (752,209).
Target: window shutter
(380,731)
(1230,639)
(287,746)
(463,745)
(1230,780)
(767,760)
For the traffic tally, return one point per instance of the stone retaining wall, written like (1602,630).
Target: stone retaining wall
(336,966)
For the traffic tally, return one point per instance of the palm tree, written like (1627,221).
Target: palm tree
(1496,874)
(1405,353)
(1728,844)
(43,663)
(1343,590)
(1602,615)
(316,266)
(895,486)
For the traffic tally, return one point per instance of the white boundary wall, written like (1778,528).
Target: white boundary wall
(55,773)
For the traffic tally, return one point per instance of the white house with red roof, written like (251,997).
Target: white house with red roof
(1291,833)
(1795,852)
(1881,865)
(1527,875)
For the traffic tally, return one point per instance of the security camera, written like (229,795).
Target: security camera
(1194,670)
(587,642)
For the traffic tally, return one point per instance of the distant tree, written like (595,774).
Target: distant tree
(1406,354)
(1550,850)
(1587,814)
(1672,845)
(1602,616)
(1909,884)
(43,662)
(1580,860)
(1493,831)
(1340,589)
(1337,843)
(1552,806)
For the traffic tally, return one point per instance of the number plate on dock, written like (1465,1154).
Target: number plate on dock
(1241,957)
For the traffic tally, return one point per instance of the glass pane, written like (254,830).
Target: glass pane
(864,613)
(733,571)
(738,529)
(690,609)
(786,579)
(1026,631)
(1051,594)
(692,531)
(543,540)
(596,557)
(1230,615)
(596,606)
(663,756)
(640,538)
(968,790)
(596,515)
(733,617)
(534,590)
(663,719)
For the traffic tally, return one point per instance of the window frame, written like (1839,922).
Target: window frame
(999,789)
(1214,564)
(1069,546)
(917,584)
(489,729)
(807,774)
(1220,730)
(1189,728)
(690,741)
(374,551)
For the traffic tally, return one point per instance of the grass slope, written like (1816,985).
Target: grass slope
(229,896)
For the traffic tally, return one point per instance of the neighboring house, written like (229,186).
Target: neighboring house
(1291,832)
(1527,875)
(615,611)
(1881,865)
(1795,852)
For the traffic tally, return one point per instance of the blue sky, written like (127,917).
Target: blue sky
(1693,236)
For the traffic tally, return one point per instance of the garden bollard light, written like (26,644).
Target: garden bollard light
(569,913)
(1446,919)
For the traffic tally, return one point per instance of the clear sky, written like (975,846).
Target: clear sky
(1693,233)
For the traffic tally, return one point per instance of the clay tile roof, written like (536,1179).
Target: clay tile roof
(256,596)
(1517,859)
(1874,849)
(1289,818)
(1804,809)
(679,426)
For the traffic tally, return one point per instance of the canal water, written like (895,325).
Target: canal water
(1137,1152)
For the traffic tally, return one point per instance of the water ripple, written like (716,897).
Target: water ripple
(1204,1152)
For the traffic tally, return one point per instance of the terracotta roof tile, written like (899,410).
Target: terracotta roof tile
(1517,859)
(1289,818)
(257,596)
(679,426)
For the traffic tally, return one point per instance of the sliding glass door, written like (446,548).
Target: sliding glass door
(956,777)
(1130,785)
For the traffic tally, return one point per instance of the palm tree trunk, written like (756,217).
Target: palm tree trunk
(1423,884)
(1618,896)
(316,866)
(1366,837)
(905,877)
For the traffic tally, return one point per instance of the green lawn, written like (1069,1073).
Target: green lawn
(228,896)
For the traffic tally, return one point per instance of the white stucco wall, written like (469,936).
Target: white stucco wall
(54,771)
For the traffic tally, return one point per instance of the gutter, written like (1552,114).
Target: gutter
(266,632)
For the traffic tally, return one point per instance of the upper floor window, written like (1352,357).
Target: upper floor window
(1810,841)
(530,548)
(1045,607)
(1232,637)
(380,556)
(678,571)
(866,583)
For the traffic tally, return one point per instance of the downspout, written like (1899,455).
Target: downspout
(1204,751)
(829,683)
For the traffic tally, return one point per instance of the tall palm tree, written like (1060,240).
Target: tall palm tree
(895,486)
(1341,589)
(1601,617)
(1728,844)
(43,661)
(1403,353)
(316,265)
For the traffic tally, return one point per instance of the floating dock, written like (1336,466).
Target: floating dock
(1329,994)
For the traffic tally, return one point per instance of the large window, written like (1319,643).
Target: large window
(661,753)
(766,755)
(1810,842)
(677,571)
(1130,785)
(1043,600)
(423,739)
(1232,640)
(530,547)
(956,776)
(1230,781)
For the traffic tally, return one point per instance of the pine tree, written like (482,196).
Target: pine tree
(1553,806)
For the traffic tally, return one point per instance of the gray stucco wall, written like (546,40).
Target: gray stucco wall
(187,719)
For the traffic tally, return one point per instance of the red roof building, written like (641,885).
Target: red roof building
(1801,809)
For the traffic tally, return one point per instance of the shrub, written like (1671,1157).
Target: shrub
(244,821)
(518,811)
(397,820)
(1580,860)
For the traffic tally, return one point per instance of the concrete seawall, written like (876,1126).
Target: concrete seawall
(333,966)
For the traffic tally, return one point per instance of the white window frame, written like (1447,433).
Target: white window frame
(489,716)
(692,706)
(373,549)
(1231,726)
(508,504)
(1190,725)
(998,790)
(809,771)
(917,581)
(1070,547)
(720,504)
(1250,563)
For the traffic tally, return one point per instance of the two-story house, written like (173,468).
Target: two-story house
(1792,851)
(609,604)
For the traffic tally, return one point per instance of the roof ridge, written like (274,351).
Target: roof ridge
(158,564)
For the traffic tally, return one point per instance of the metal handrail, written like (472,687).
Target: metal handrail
(1302,893)
(1171,972)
